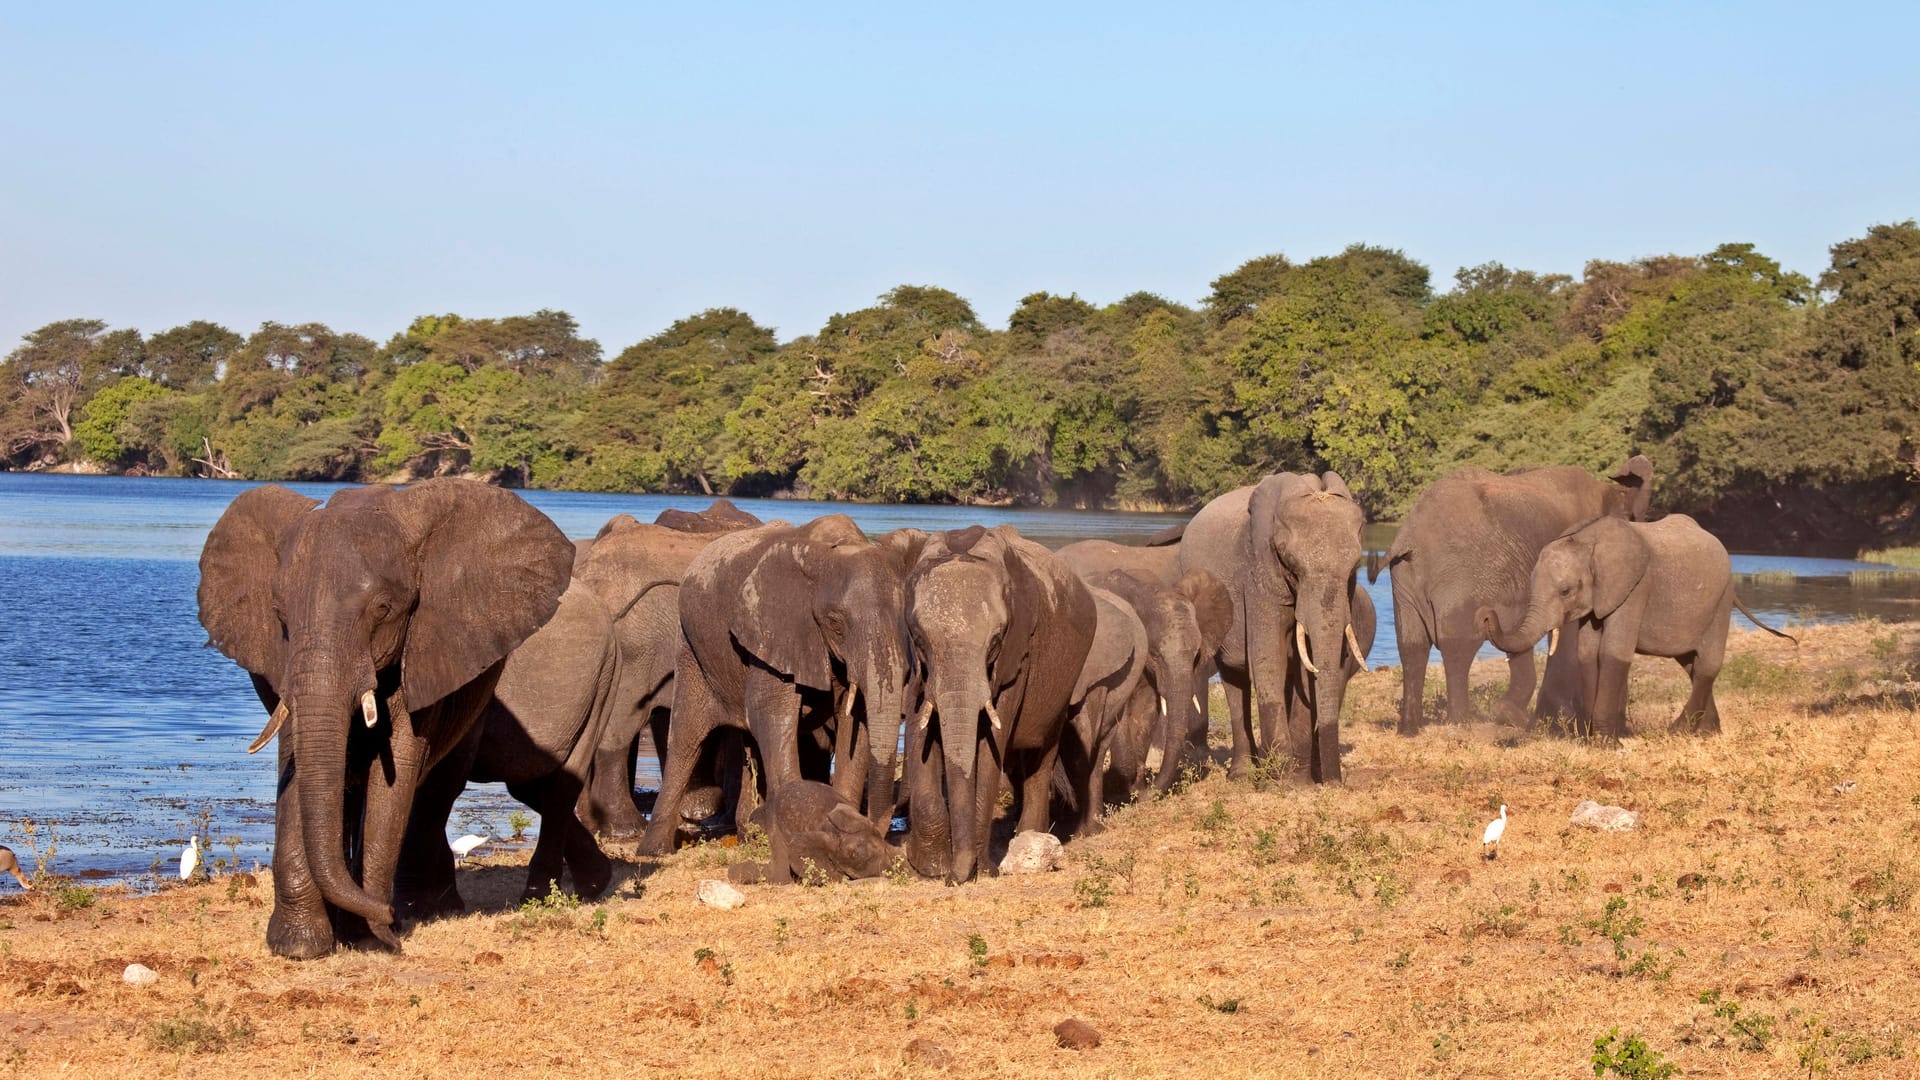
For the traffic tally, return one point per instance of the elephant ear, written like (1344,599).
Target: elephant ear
(835,529)
(490,570)
(617,523)
(1619,559)
(1331,481)
(1212,605)
(1635,476)
(1266,515)
(236,576)
(777,627)
(904,546)
(848,819)
(1030,591)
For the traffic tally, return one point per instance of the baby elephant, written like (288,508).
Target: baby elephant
(813,829)
(1663,588)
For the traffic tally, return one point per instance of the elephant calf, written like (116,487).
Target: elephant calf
(813,831)
(1657,589)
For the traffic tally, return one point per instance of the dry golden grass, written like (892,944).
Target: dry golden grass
(1229,929)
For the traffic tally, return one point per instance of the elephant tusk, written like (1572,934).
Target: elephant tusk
(846,703)
(369,709)
(1200,703)
(1300,643)
(1354,644)
(1163,704)
(993,716)
(1553,641)
(925,714)
(267,733)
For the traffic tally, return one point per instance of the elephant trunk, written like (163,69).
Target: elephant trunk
(1174,685)
(1327,627)
(325,700)
(1543,617)
(959,712)
(885,714)
(929,840)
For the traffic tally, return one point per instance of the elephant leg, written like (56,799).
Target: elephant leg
(1415,650)
(773,715)
(988,774)
(1613,662)
(1079,755)
(1239,690)
(696,713)
(1700,715)
(1456,656)
(1269,669)
(549,851)
(424,883)
(299,928)
(606,805)
(929,837)
(1301,689)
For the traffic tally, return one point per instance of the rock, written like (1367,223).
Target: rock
(1605,818)
(719,894)
(1076,1034)
(139,975)
(925,1052)
(1033,852)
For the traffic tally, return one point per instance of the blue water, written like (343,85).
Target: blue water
(120,729)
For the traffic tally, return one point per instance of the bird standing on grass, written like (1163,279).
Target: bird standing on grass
(11,865)
(464,846)
(1490,840)
(189,857)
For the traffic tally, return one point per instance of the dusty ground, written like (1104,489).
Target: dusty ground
(1761,923)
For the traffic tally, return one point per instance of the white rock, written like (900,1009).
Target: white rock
(139,975)
(719,894)
(1033,852)
(1605,818)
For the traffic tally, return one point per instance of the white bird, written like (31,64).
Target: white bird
(464,846)
(1495,830)
(189,857)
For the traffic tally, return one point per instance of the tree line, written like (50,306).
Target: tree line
(1747,383)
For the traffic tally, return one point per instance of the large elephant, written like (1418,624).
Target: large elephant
(636,570)
(1287,549)
(537,736)
(374,628)
(1000,631)
(1469,542)
(775,619)
(1185,623)
(1658,589)
(1109,677)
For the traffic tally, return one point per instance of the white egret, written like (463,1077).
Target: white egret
(189,857)
(464,846)
(1490,840)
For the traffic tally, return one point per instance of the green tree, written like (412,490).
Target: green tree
(102,428)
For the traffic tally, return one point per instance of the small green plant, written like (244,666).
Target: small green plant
(1266,847)
(30,834)
(74,898)
(1401,960)
(902,872)
(1216,820)
(912,1010)
(811,875)
(1617,924)
(199,1032)
(702,955)
(1094,889)
(1630,1057)
(1224,1005)
(554,909)
(519,821)
(977,950)
(1750,1031)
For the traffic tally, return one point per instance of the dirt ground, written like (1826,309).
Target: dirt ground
(1760,923)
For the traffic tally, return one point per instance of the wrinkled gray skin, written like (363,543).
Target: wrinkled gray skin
(997,623)
(416,595)
(537,736)
(813,830)
(1116,662)
(1469,542)
(1286,549)
(775,619)
(1185,623)
(1658,589)
(636,570)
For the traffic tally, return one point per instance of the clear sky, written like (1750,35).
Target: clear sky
(357,164)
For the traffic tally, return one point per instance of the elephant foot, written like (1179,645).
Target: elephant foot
(657,840)
(298,939)
(419,903)
(1092,827)
(592,880)
(1511,715)
(747,873)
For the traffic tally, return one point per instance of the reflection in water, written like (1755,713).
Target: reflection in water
(119,726)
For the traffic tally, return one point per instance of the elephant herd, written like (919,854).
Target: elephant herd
(407,641)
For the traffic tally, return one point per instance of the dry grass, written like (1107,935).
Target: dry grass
(1349,931)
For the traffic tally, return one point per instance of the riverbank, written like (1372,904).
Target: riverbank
(1761,922)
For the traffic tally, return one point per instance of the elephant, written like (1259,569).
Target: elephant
(779,620)
(537,736)
(1186,617)
(1663,588)
(1109,677)
(720,517)
(374,628)
(1470,541)
(816,835)
(636,570)
(1000,631)
(1185,624)
(1286,549)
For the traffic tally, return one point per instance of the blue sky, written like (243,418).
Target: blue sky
(358,165)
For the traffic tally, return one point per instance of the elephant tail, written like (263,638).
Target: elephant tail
(642,595)
(1755,620)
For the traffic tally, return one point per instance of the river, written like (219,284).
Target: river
(121,729)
